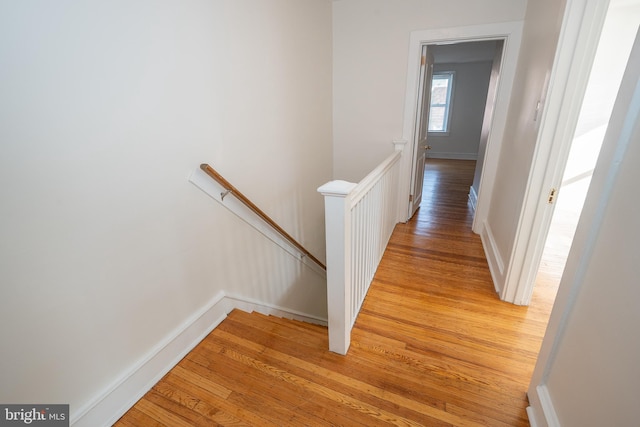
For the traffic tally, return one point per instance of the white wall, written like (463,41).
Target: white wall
(105,109)
(371,41)
(471,83)
(588,372)
(540,37)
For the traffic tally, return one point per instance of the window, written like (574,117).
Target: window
(441,88)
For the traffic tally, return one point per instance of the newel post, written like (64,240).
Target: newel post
(404,189)
(338,240)
(404,177)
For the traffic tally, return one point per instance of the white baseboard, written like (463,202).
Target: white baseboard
(123,393)
(548,411)
(249,305)
(533,421)
(453,156)
(542,413)
(494,259)
(473,198)
(111,404)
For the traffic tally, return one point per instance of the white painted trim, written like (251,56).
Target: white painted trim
(511,32)
(452,155)
(548,411)
(122,394)
(473,198)
(106,408)
(494,259)
(401,146)
(214,190)
(250,305)
(581,28)
(533,420)
(337,214)
(363,187)
(546,415)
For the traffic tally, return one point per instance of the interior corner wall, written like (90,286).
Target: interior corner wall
(371,44)
(541,32)
(471,83)
(106,108)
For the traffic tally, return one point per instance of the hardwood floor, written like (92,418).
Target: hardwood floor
(432,346)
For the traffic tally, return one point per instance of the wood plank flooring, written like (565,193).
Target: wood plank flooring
(433,345)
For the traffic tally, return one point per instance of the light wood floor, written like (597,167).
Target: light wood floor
(432,346)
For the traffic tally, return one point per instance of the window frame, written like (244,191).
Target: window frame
(450,76)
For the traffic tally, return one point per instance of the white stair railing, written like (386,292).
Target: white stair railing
(359,220)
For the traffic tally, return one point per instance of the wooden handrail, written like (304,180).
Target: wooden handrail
(248,203)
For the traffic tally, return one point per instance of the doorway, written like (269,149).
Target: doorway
(510,33)
(459,81)
(613,48)
(474,68)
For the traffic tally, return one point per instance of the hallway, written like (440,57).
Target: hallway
(433,344)
(434,282)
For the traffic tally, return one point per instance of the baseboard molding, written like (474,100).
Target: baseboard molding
(453,156)
(473,198)
(545,415)
(249,305)
(533,421)
(548,411)
(494,259)
(110,405)
(122,394)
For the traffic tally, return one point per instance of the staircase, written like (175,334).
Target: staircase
(251,370)
(433,345)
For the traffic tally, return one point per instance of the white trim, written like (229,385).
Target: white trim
(533,420)
(452,155)
(214,190)
(511,33)
(546,416)
(363,187)
(106,408)
(548,411)
(450,77)
(494,259)
(473,198)
(578,41)
(122,394)
(250,305)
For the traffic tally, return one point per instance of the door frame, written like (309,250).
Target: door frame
(581,28)
(511,33)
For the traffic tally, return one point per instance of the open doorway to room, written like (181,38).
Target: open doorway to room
(463,96)
(511,34)
(618,33)
(456,98)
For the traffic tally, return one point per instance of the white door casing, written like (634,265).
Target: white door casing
(511,33)
(581,28)
(422,126)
